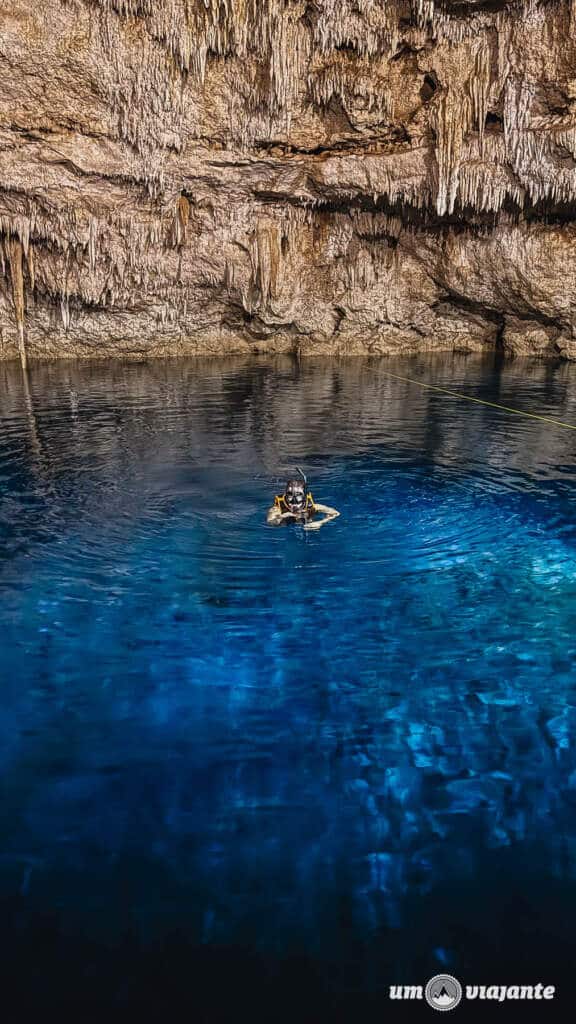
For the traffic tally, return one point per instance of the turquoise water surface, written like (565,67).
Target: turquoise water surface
(277,770)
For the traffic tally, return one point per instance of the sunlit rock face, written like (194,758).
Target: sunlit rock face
(335,176)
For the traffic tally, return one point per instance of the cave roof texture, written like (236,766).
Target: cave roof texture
(325,177)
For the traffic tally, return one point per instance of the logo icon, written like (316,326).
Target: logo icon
(443,992)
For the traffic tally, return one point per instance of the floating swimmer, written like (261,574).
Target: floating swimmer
(297,505)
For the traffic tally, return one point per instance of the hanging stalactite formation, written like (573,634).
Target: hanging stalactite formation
(280,175)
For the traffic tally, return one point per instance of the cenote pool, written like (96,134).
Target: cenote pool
(265,772)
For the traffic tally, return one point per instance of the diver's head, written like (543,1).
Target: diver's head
(295,496)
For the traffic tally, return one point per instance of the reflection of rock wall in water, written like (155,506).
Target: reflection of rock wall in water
(218,175)
(300,409)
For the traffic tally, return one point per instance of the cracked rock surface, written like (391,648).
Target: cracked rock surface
(336,176)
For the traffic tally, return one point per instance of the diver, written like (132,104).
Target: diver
(297,505)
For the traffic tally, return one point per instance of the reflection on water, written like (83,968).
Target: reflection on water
(249,763)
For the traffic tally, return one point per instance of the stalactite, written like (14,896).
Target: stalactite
(453,119)
(424,11)
(65,311)
(181,218)
(480,88)
(92,242)
(289,47)
(349,82)
(266,261)
(229,276)
(15,256)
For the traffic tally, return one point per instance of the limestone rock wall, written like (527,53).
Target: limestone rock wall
(329,176)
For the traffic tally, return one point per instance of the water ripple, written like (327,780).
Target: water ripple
(284,718)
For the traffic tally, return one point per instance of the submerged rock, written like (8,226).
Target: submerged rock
(308,177)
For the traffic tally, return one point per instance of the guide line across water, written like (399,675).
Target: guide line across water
(482,401)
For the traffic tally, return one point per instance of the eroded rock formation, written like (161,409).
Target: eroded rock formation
(327,176)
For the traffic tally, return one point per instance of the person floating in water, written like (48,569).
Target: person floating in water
(297,505)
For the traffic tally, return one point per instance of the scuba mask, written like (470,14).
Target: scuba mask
(295,496)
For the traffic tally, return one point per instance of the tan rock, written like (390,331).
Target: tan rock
(336,177)
(525,337)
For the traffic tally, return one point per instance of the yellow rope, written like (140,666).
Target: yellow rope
(482,401)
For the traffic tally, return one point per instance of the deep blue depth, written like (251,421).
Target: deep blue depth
(277,770)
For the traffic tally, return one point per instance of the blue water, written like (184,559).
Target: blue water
(272,768)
